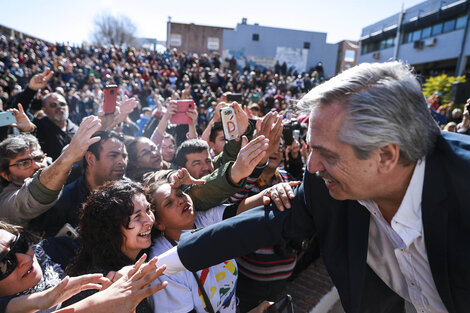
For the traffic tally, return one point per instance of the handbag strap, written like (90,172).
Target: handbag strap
(199,283)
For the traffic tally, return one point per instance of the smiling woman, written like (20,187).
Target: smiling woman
(144,157)
(30,280)
(115,226)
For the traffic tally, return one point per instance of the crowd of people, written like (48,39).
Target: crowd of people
(92,193)
(87,196)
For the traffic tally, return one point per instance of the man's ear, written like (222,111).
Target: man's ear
(388,157)
(4,175)
(90,158)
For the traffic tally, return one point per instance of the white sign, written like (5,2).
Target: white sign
(213,43)
(175,40)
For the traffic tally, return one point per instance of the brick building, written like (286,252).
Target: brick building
(347,55)
(194,38)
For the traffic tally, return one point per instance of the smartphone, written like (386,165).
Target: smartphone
(7,118)
(110,98)
(237,97)
(296,134)
(180,116)
(229,123)
(284,305)
(287,134)
(67,230)
(289,114)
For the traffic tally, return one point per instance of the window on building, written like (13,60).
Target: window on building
(306,45)
(255,37)
(213,43)
(175,40)
(461,22)
(349,55)
(426,33)
(417,35)
(407,37)
(437,29)
(448,26)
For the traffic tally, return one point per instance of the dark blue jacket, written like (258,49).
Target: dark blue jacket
(342,229)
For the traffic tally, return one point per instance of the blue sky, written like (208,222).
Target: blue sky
(72,21)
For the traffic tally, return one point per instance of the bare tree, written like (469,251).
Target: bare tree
(112,30)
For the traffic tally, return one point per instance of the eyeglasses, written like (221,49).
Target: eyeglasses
(9,262)
(172,147)
(25,164)
(54,104)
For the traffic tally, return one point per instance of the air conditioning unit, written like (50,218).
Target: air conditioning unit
(418,44)
(376,55)
(430,42)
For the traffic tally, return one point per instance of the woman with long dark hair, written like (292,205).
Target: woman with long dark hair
(115,227)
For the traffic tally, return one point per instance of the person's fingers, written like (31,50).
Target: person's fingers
(277,201)
(61,286)
(90,286)
(148,276)
(266,199)
(289,190)
(48,75)
(151,289)
(137,265)
(283,196)
(258,157)
(263,306)
(236,107)
(20,108)
(255,147)
(244,141)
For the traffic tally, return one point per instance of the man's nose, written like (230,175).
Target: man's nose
(314,163)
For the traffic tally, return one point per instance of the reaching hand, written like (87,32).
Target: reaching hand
(126,107)
(280,194)
(248,111)
(249,156)
(129,290)
(271,128)
(83,138)
(182,177)
(22,121)
(39,81)
(126,293)
(171,109)
(192,113)
(219,106)
(69,287)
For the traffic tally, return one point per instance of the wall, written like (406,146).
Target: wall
(279,44)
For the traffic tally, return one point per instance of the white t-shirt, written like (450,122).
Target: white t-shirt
(182,293)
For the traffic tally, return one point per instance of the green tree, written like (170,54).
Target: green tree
(442,84)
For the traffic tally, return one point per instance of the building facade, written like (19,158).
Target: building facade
(264,46)
(433,36)
(347,55)
(194,38)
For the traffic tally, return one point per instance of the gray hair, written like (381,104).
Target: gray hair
(383,104)
(13,146)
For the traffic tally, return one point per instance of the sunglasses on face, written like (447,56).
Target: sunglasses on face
(54,104)
(24,164)
(8,262)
